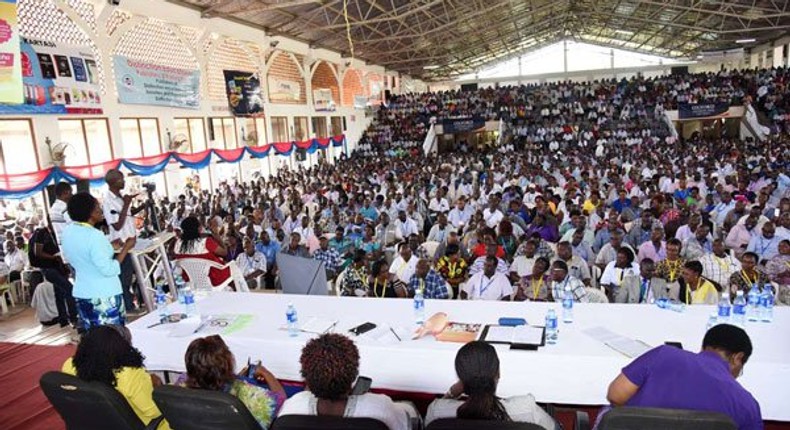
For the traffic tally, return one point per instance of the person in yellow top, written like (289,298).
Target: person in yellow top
(698,291)
(105,354)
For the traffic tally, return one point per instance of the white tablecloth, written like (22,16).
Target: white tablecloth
(575,371)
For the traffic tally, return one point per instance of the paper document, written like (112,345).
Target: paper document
(625,345)
(523,334)
(317,325)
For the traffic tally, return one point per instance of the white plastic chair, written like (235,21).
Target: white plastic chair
(430,247)
(339,282)
(197,270)
(6,292)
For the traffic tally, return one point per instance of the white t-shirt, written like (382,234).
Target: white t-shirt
(112,206)
(523,265)
(521,409)
(614,275)
(481,287)
(59,215)
(249,264)
(403,269)
(377,406)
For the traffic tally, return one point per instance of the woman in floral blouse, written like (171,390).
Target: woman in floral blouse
(210,366)
(453,268)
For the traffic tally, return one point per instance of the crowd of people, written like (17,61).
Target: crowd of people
(597,199)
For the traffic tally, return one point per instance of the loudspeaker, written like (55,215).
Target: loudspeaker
(680,70)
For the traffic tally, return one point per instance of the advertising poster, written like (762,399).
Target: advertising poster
(244,92)
(322,99)
(142,83)
(57,79)
(284,91)
(10,64)
(702,110)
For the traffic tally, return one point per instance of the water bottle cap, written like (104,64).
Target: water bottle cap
(739,293)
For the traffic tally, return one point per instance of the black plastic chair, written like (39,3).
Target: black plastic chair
(90,405)
(459,424)
(312,422)
(188,409)
(627,418)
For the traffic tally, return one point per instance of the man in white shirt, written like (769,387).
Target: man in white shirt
(119,214)
(15,259)
(461,214)
(252,264)
(58,213)
(439,204)
(306,232)
(492,215)
(440,230)
(406,226)
(404,266)
(720,264)
(488,284)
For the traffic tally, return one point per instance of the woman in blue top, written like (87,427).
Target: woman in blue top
(97,288)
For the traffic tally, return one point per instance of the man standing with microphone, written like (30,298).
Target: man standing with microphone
(119,213)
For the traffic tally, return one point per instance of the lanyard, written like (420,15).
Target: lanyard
(746,278)
(484,289)
(723,264)
(673,270)
(536,287)
(375,288)
(84,224)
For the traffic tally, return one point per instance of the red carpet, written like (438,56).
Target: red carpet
(22,404)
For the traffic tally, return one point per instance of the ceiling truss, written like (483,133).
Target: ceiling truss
(454,37)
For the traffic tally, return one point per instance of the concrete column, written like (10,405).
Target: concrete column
(611,58)
(779,60)
(565,56)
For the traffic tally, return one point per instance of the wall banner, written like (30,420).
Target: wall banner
(322,100)
(11,88)
(57,79)
(245,96)
(281,90)
(701,110)
(142,83)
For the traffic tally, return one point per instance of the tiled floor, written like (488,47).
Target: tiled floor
(21,326)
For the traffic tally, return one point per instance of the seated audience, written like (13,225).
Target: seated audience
(488,284)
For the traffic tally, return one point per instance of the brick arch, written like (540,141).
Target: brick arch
(284,66)
(324,77)
(352,86)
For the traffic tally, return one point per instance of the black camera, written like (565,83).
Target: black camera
(149,187)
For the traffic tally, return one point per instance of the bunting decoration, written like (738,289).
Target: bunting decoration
(27,184)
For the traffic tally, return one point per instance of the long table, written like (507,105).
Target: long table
(576,371)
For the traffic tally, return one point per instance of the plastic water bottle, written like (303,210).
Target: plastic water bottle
(724,310)
(293,320)
(419,308)
(739,309)
(753,310)
(663,303)
(551,327)
(767,304)
(189,302)
(677,306)
(712,321)
(161,303)
(180,284)
(567,305)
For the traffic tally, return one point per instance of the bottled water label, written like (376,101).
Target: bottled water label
(724,311)
(189,299)
(291,316)
(739,310)
(551,323)
(567,303)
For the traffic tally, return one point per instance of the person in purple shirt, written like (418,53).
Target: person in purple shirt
(669,377)
(546,231)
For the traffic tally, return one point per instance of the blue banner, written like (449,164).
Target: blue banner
(142,83)
(462,125)
(701,110)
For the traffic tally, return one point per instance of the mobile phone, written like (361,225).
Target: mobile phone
(675,344)
(363,328)
(362,386)
(251,368)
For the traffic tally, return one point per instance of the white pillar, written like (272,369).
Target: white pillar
(565,56)
(611,58)
(779,60)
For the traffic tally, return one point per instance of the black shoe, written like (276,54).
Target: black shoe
(64,323)
(50,323)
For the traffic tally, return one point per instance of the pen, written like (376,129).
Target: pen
(396,334)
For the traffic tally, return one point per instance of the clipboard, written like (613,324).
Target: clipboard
(496,335)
